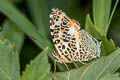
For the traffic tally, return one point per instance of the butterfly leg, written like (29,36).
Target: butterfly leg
(66,65)
(54,66)
(82,62)
(75,64)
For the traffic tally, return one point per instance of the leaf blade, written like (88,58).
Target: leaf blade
(108,24)
(106,65)
(13,34)
(9,61)
(24,24)
(101,12)
(35,71)
(39,8)
(111,77)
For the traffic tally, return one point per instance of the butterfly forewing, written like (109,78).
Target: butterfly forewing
(62,27)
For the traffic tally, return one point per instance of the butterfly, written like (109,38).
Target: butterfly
(72,43)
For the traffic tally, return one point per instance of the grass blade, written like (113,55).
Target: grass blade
(107,27)
(39,14)
(101,12)
(23,23)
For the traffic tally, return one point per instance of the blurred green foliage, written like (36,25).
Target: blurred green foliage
(26,26)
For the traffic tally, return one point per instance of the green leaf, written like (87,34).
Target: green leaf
(101,15)
(13,34)
(9,61)
(108,46)
(89,26)
(39,14)
(101,12)
(39,68)
(107,27)
(94,70)
(24,24)
(111,77)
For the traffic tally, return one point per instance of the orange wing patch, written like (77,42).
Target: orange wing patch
(62,30)
(61,38)
(61,43)
(71,23)
(75,27)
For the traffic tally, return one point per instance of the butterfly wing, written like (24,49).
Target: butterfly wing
(90,43)
(62,28)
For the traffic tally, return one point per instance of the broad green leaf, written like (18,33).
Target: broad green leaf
(9,61)
(108,46)
(39,14)
(39,68)
(111,77)
(13,34)
(101,13)
(27,27)
(94,70)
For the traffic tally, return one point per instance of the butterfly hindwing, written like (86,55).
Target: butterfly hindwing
(90,43)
